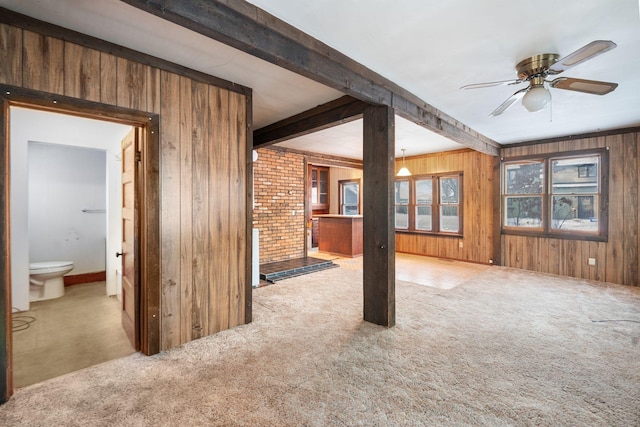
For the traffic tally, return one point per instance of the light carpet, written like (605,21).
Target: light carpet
(505,348)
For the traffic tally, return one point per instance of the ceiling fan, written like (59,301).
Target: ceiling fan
(536,69)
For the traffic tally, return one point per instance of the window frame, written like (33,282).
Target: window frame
(341,202)
(436,204)
(546,229)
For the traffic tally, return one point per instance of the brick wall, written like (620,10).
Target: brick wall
(279,181)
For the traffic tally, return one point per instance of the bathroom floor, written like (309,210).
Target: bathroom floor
(78,330)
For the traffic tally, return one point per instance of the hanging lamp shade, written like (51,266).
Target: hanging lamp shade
(403,170)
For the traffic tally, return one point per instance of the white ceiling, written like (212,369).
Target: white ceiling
(429,48)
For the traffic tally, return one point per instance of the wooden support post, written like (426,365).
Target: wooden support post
(379,275)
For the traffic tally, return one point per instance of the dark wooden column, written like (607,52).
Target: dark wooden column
(379,276)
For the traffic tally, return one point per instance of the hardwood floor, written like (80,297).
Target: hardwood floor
(423,270)
(66,334)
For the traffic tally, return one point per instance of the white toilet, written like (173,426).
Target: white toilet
(45,279)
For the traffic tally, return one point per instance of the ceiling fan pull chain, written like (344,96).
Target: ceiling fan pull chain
(551,109)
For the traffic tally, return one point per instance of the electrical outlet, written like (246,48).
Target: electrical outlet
(592,261)
(461,244)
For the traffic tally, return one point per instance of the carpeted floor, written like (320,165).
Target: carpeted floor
(504,348)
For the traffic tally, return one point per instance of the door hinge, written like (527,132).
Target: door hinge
(138,156)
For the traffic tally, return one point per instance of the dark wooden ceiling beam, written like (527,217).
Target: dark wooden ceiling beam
(333,113)
(254,31)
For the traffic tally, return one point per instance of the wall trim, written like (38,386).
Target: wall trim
(78,279)
(619,131)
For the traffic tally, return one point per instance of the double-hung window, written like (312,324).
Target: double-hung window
(559,195)
(349,196)
(429,204)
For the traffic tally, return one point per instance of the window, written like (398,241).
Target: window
(349,197)
(429,204)
(560,196)
(402,204)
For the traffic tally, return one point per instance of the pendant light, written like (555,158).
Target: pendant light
(403,170)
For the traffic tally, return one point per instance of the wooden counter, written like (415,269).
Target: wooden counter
(340,234)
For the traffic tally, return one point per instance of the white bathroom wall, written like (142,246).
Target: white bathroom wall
(63,181)
(39,126)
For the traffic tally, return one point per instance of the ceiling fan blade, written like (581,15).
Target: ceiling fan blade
(589,51)
(490,84)
(593,87)
(509,102)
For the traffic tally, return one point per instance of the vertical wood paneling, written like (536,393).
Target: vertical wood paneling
(108,79)
(630,191)
(554,257)
(615,247)
(238,205)
(477,208)
(153,90)
(617,259)
(131,85)
(203,184)
(81,72)
(543,261)
(42,63)
(186,201)
(219,218)
(200,208)
(170,212)
(11,54)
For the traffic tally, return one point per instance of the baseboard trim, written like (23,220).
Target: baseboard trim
(76,279)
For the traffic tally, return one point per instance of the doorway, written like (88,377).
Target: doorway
(147,291)
(65,206)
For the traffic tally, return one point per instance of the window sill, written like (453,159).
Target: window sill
(560,236)
(430,233)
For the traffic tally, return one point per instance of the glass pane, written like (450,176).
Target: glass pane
(350,193)
(350,209)
(449,219)
(575,213)
(314,195)
(324,199)
(578,175)
(523,212)
(424,191)
(402,216)
(423,218)
(324,186)
(324,176)
(402,192)
(524,178)
(449,192)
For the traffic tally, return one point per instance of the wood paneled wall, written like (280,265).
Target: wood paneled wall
(203,170)
(478,208)
(616,259)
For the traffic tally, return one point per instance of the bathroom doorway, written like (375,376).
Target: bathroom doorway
(147,157)
(70,190)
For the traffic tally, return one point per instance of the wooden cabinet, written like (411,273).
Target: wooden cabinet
(314,233)
(319,187)
(340,234)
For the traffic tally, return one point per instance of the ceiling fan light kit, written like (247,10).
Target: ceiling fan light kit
(535,70)
(536,98)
